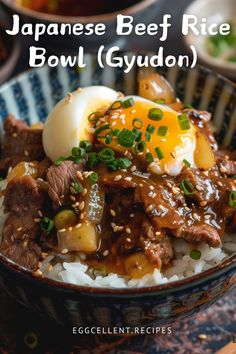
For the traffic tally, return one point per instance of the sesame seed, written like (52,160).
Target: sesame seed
(62,230)
(25,244)
(223,169)
(81,206)
(131,215)
(38,273)
(84,192)
(72,190)
(158,233)
(202,336)
(128,239)
(26,152)
(72,198)
(128,230)
(195,216)
(129,179)
(79,175)
(81,216)
(140,185)
(198,188)
(133,168)
(117,178)
(40,264)
(64,251)
(19,228)
(151,187)
(112,212)
(220,184)
(78,226)
(105,253)
(70,228)
(149,208)
(203,203)
(14,135)
(118,228)
(113,124)
(37,219)
(40,213)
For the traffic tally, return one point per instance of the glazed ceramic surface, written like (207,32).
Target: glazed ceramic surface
(30,97)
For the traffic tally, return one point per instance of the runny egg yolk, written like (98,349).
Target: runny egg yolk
(164,137)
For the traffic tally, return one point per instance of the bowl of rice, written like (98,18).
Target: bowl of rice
(192,269)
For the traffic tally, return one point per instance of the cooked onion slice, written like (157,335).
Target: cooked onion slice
(94,201)
(82,237)
(203,156)
(155,87)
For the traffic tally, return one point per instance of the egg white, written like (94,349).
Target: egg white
(68,124)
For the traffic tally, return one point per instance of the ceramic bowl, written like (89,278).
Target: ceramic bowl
(215,11)
(30,97)
(144,11)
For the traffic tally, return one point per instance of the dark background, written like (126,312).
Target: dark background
(218,323)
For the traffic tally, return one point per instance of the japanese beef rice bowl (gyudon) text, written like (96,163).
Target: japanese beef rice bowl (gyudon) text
(117,191)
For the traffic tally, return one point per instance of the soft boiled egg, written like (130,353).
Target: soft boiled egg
(170,139)
(68,123)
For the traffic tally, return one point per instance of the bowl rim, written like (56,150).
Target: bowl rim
(130,10)
(161,289)
(203,54)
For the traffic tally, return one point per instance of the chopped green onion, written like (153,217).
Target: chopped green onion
(59,161)
(102,128)
(47,224)
(137,123)
(189,106)
(93,159)
(195,254)
(78,152)
(150,128)
(188,164)
(126,138)
(93,178)
(116,105)
(160,101)
(77,187)
(159,153)
(93,117)
(108,139)
(75,159)
(116,132)
(127,102)
(184,121)
(155,114)
(31,340)
(140,147)
(85,144)
(149,157)
(123,162)
(138,134)
(162,130)
(107,155)
(187,187)
(232,199)
(234,176)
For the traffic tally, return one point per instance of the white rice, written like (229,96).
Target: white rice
(72,269)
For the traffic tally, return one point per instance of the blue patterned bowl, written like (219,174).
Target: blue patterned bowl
(30,97)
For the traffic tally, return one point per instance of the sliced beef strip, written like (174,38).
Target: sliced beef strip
(23,199)
(199,233)
(18,242)
(23,196)
(205,190)
(43,167)
(59,179)
(20,143)
(156,244)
